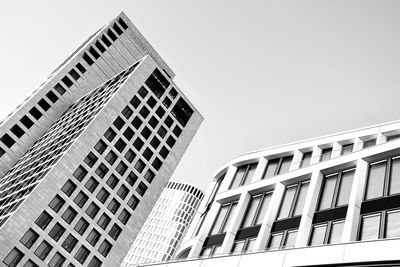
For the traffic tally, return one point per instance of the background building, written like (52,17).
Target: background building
(330,201)
(166,225)
(84,172)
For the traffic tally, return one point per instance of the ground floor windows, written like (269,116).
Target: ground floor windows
(385,224)
(280,240)
(326,233)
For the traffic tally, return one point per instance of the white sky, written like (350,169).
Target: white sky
(262,73)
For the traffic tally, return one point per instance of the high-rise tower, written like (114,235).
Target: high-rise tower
(85,158)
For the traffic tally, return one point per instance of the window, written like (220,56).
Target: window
(80,173)
(81,226)
(74,74)
(100,47)
(92,210)
(167,102)
(57,203)
(293,200)
(162,131)
(110,134)
(52,96)
(82,254)
(155,142)
(69,243)
(325,154)
(277,166)
(69,215)
(7,140)
(13,258)
(115,231)
(80,68)
(392,137)
(153,122)
(123,192)
(30,263)
(68,188)
(347,149)
(149,176)
(177,131)
(118,123)
(281,240)
(256,210)
(123,24)
(120,145)
(117,29)
(171,141)
(103,221)
(121,168)
(105,248)
(243,175)
(94,52)
(112,181)
(124,216)
(306,159)
(60,89)
(144,112)
(57,231)
(137,122)
(141,189)
(157,83)
(113,206)
(95,262)
(127,112)
(369,143)
(57,260)
(17,131)
(242,246)
(151,102)
(100,147)
(93,237)
(135,101)
(35,113)
(102,170)
(91,159)
(146,132)
(130,155)
(102,195)
(29,238)
(156,164)
(81,199)
(28,123)
(139,165)
(326,233)
(133,202)
(91,184)
(223,218)
(182,111)
(105,40)
(173,93)
(131,179)
(129,133)
(111,157)
(43,250)
(142,92)
(168,121)
(43,220)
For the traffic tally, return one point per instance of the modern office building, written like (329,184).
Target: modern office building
(329,201)
(85,158)
(166,225)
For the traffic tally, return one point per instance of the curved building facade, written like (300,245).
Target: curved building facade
(166,225)
(328,201)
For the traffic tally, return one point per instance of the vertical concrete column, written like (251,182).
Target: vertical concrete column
(358,144)
(381,138)
(316,154)
(270,215)
(297,156)
(258,175)
(230,174)
(356,197)
(309,209)
(234,222)
(336,150)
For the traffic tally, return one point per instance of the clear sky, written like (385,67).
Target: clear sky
(262,73)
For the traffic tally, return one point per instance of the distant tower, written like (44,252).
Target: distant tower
(166,225)
(85,158)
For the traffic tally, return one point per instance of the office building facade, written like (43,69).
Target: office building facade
(329,201)
(103,135)
(164,229)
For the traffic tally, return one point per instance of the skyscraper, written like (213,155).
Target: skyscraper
(87,155)
(328,201)
(166,225)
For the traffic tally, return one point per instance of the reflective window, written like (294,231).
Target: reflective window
(293,200)
(225,213)
(306,159)
(369,143)
(347,149)
(325,154)
(256,209)
(243,175)
(326,233)
(376,179)
(278,166)
(370,225)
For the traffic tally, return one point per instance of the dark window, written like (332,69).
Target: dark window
(369,143)
(100,147)
(57,231)
(17,131)
(59,89)
(105,248)
(138,144)
(120,145)
(157,164)
(7,140)
(94,52)
(127,112)
(100,47)
(68,188)
(57,203)
(130,155)
(13,258)
(347,149)
(111,157)
(182,112)
(277,166)
(81,199)
(137,122)
(80,173)
(69,215)
(121,168)
(144,112)
(149,176)
(135,101)
(122,23)
(118,123)
(146,132)
(105,40)
(117,29)
(141,189)
(35,113)
(306,159)
(102,195)
(28,123)
(69,243)
(325,154)
(147,154)
(124,216)
(173,93)
(43,220)
(93,237)
(102,170)
(151,102)
(167,102)
(113,206)
(223,218)
(81,226)
(168,121)
(153,122)
(243,175)
(29,238)
(2,152)
(157,83)
(57,260)
(30,263)
(74,74)
(82,254)
(131,179)
(112,181)
(44,105)
(392,137)
(123,192)
(171,141)
(94,262)
(111,35)
(92,210)
(87,58)
(139,165)
(177,131)
(81,68)
(160,112)
(129,133)
(164,152)
(162,131)
(133,202)
(43,250)
(67,82)
(91,184)
(115,231)
(91,159)
(110,134)
(155,142)
(142,92)
(52,96)
(103,221)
